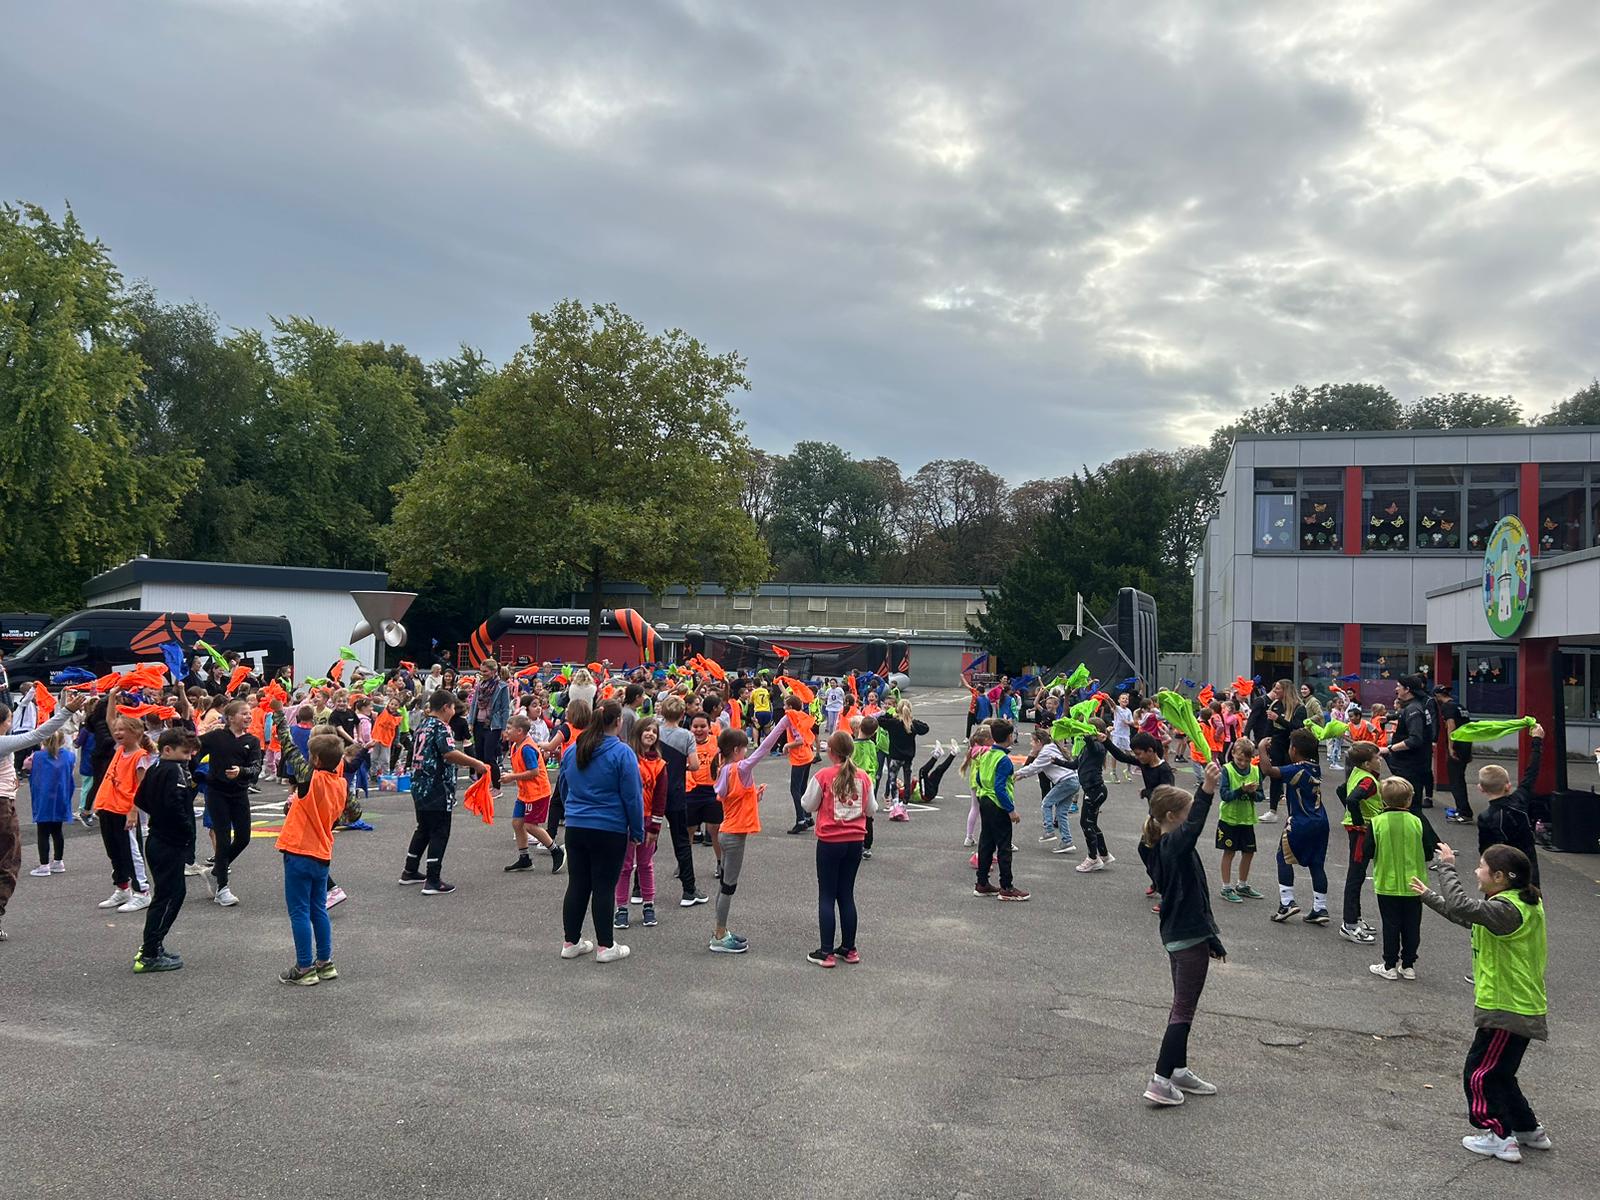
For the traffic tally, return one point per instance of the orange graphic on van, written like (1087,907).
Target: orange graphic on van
(181,627)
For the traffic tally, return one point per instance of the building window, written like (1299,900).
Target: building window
(894,606)
(1574,664)
(1563,504)
(976,608)
(743,603)
(672,602)
(1321,509)
(1299,510)
(1492,493)
(1271,652)
(816,604)
(1275,520)
(1303,653)
(1388,652)
(855,606)
(1438,516)
(1386,509)
(1489,678)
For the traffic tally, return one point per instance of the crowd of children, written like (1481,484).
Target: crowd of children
(149,750)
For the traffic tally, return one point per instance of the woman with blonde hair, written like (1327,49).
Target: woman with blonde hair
(903,730)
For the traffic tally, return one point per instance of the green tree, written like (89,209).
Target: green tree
(1085,543)
(1580,408)
(77,498)
(1461,410)
(831,516)
(599,451)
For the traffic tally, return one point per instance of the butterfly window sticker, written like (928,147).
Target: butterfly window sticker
(1386,529)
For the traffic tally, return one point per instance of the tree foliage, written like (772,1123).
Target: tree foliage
(75,494)
(626,448)
(1580,408)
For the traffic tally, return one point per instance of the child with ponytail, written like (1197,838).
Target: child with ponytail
(840,797)
(1508,967)
(1188,931)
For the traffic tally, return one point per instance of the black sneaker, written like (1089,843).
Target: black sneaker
(1317,916)
(301,977)
(410,877)
(1285,911)
(161,962)
(558,859)
(799,827)
(810,821)
(690,899)
(438,889)
(1456,817)
(523,863)
(649,918)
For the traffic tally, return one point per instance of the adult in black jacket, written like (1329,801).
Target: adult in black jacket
(1411,748)
(1458,755)
(233,762)
(1285,714)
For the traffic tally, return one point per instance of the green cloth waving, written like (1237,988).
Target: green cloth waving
(1179,713)
(348,654)
(1332,729)
(1488,731)
(1063,728)
(1078,678)
(216,656)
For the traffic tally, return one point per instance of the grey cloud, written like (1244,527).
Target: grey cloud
(1032,233)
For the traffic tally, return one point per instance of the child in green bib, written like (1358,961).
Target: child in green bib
(1401,847)
(1508,967)
(1236,820)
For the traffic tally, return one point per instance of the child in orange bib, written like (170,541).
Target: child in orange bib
(740,799)
(306,844)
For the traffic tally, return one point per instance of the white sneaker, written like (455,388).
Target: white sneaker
(42,871)
(1065,848)
(611,953)
(1408,972)
(1161,1092)
(1186,1080)
(1491,1146)
(1106,860)
(117,898)
(968,842)
(210,881)
(938,748)
(58,867)
(140,901)
(1049,837)
(1089,864)
(336,895)
(1268,817)
(192,869)
(1383,972)
(577,949)
(1533,1139)
(226,898)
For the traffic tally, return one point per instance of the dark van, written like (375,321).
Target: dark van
(18,629)
(102,639)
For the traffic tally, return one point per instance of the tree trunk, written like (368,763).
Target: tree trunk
(596,576)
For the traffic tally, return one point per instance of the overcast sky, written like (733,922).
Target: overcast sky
(1036,234)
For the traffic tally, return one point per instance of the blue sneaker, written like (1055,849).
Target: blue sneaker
(728,944)
(619,919)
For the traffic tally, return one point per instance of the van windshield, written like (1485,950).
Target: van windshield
(39,647)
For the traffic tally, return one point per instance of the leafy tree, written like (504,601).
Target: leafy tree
(626,442)
(1461,410)
(832,521)
(77,497)
(1087,544)
(1580,408)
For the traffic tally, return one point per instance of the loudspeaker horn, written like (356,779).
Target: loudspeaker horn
(381,613)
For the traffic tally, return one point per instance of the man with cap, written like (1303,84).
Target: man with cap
(1411,748)
(1457,754)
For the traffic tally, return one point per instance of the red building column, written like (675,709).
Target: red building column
(1536,697)
(1444,674)
(1528,504)
(1353,527)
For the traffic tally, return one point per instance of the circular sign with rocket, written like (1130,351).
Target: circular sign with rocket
(1507,577)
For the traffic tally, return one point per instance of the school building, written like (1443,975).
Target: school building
(932,621)
(1336,554)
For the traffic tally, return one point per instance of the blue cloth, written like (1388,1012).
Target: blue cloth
(607,793)
(305,891)
(50,783)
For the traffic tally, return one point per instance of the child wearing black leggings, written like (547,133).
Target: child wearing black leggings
(1090,765)
(1188,931)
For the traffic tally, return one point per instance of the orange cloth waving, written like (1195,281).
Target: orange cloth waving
(803,726)
(240,674)
(479,799)
(43,701)
(805,694)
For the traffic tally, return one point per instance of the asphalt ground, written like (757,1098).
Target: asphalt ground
(980,1049)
